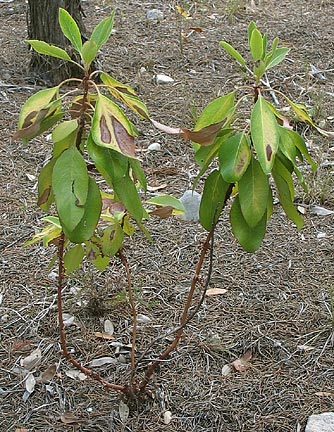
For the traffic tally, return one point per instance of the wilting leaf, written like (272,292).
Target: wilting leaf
(73,258)
(234,157)
(233,53)
(123,410)
(49,373)
(48,233)
(102,31)
(204,136)
(30,383)
(249,238)
(102,361)
(69,418)
(76,374)
(242,364)
(92,211)
(213,199)
(215,291)
(70,29)
(70,187)
(253,193)
(111,128)
(50,50)
(265,135)
(32,360)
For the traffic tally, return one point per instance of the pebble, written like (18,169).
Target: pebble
(323,422)
(163,79)
(191,201)
(154,147)
(155,15)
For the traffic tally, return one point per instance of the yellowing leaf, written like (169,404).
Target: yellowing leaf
(182,11)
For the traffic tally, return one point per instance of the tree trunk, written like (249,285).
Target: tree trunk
(42,23)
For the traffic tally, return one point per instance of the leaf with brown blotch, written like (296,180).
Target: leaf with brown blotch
(242,364)
(125,141)
(163,212)
(69,418)
(215,291)
(112,206)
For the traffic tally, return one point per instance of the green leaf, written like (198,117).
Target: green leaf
(64,136)
(73,258)
(103,30)
(138,173)
(259,69)
(251,27)
(301,111)
(216,111)
(88,53)
(284,168)
(234,157)
(284,194)
(301,147)
(249,238)
(101,262)
(45,194)
(111,128)
(286,144)
(167,201)
(205,154)
(256,44)
(253,193)
(265,43)
(70,29)
(84,230)
(70,187)
(127,193)
(233,53)
(265,135)
(50,50)
(110,164)
(213,199)
(112,240)
(277,57)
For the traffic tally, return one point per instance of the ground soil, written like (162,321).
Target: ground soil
(279,301)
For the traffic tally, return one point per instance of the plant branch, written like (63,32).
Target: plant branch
(62,333)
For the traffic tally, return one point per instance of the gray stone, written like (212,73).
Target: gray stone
(191,201)
(323,422)
(155,15)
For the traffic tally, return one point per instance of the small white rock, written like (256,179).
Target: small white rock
(154,147)
(191,201)
(155,15)
(164,79)
(323,422)
(167,416)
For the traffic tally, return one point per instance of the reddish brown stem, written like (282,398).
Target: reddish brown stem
(62,333)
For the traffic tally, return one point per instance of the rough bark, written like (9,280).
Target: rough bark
(42,23)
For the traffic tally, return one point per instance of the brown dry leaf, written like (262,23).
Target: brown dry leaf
(204,136)
(163,212)
(242,363)
(324,394)
(215,291)
(196,29)
(32,359)
(103,335)
(49,373)
(21,430)
(21,346)
(69,418)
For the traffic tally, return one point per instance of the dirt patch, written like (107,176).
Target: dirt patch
(279,301)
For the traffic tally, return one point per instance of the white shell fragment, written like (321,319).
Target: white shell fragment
(155,15)
(164,79)
(154,147)
(191,201)
(323,422)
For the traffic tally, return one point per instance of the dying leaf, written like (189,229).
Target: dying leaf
(69,418)
(49,373)
(204,136)
(215,291)
(163,212)
(32,360)
(242,364)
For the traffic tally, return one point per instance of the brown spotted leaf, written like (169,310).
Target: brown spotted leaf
(111,128)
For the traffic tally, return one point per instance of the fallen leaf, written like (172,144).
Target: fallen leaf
(32,359)
(30,383)
(155,188)
(102,361)
(123,410)
(49,373)
(103,335)
(163,212)
(215,291)
(167,417)
(324,394)
(196,29)
(75,374)
(108,327)
(242,364)
(69,418)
